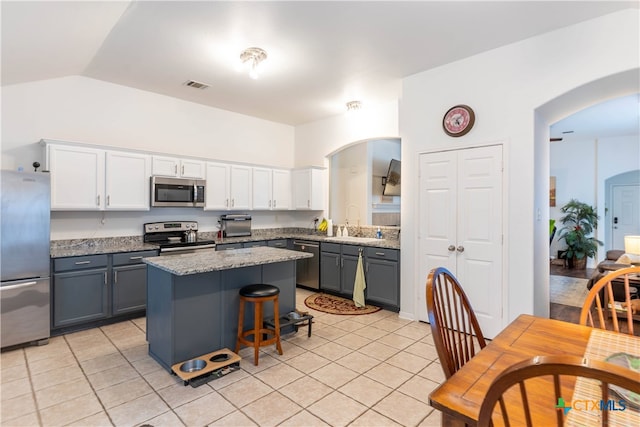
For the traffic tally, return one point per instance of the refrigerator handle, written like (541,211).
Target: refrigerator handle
(21,285)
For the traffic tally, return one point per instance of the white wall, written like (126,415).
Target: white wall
(505,86)
(315,141)
(581,168)
(90,111)
(96,112)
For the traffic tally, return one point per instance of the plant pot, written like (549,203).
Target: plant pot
(578,264)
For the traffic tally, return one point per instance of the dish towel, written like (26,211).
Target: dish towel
(359,285)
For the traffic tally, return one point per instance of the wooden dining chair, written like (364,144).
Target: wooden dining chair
(454,326)
(600,301)
(508,400)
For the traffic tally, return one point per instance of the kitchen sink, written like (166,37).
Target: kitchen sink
(352,239)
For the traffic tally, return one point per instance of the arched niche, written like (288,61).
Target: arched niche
(356,174)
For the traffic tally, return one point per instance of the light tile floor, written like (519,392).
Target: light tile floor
(368,370)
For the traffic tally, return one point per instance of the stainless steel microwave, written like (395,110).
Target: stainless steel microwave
(177,192)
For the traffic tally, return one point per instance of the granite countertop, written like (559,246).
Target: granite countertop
(366,241)
(207,261)
(111,245)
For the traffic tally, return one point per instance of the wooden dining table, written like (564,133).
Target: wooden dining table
(460,396)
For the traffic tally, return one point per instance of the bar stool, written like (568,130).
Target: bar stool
(259,294)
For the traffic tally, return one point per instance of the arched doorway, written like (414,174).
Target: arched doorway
(612,86)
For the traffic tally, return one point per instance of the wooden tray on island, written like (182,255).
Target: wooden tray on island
(207,367)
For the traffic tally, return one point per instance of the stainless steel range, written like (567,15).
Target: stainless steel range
(176,237)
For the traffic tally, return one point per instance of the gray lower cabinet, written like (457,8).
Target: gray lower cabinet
(254,244)
(330,271)
(382,273)
(188,316)
(278,243)
(80,290)
(338,265)
(349,266)
(227,246)
(129,283)
(97,287)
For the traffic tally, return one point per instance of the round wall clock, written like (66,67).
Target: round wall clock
(458,120)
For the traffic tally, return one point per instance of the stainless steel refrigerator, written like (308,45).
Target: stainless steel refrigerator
(24,258)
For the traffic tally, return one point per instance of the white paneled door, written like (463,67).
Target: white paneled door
(461,227)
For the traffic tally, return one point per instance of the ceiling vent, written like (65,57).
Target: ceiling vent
(197,85)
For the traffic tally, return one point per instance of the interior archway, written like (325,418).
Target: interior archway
(616,85)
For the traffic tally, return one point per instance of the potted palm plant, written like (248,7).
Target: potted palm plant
(579,222)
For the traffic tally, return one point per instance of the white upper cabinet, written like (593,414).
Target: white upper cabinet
(86,178)
(308,189)
(77,177)
(262,190)
(127,181)
(218,188)
(240,187)
(192,168)
(176,167)
(281,184)
(93,179)
(271,189)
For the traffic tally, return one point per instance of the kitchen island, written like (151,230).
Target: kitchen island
(193,302)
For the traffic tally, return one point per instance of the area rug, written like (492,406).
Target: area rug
(567,290)
(336,305)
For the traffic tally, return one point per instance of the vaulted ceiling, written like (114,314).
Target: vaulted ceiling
(321,54)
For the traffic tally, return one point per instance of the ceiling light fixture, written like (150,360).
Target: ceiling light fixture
(354,105)
(252,57)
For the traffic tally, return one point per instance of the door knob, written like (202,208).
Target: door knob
(460,249)
(451,248)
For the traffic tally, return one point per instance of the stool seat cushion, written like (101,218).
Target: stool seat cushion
(259,290)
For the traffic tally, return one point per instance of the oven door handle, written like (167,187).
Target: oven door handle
(188,248)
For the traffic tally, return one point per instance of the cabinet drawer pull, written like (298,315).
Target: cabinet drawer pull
(380,253)
(82,262)
(135,257)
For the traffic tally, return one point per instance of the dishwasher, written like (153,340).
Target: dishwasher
(308,269)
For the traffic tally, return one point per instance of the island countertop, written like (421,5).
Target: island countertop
(207,261)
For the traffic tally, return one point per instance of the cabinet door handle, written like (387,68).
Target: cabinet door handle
(226,203)
(341,263)
(336,262)
(274,203)
(115,277)
(105,278)
(460,249)
(308,203)
(175,169)
(451,248)
(135,257)
(98,200)
(182,171)
(269,203)
(82,262)
(108,200)
(233,202)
